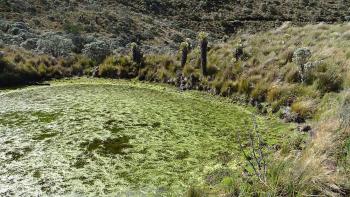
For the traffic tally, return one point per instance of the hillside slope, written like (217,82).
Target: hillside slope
(162,23)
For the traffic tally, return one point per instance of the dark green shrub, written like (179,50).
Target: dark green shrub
(72,28)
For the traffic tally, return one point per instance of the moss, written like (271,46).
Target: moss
(144,134)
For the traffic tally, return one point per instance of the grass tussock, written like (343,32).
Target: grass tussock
(19,67)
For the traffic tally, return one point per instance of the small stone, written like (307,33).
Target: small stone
(95,71)
(304,128)
(2,54)
(288,116)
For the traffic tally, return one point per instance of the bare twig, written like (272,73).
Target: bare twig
(256,159)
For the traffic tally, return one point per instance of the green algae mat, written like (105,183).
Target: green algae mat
(90,137)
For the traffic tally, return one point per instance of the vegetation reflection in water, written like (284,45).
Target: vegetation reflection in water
(104,137)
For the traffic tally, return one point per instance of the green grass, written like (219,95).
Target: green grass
(103,137)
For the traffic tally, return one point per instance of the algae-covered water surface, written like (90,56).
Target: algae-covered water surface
(100,137)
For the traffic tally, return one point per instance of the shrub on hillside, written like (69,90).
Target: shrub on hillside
(97,51)
(55,45)
(301,56)
(72,28)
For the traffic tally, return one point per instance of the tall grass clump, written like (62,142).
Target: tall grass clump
(18,67)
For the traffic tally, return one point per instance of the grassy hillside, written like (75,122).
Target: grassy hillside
(160,22)
(267,78)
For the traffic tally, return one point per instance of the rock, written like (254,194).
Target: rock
(97,50)
(288,116)
(283,27)
(184,83)
(304,128)
(96,71)
(2,54)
